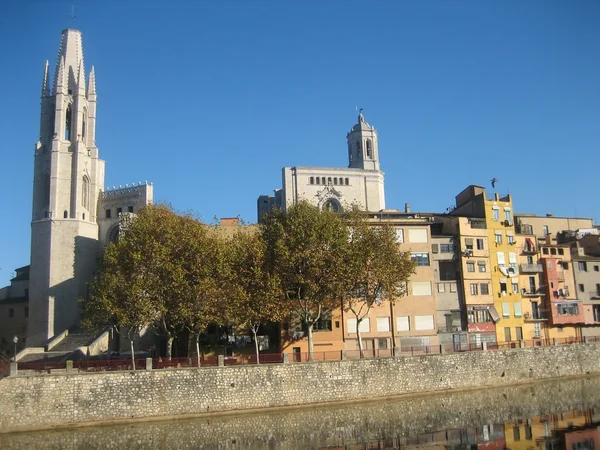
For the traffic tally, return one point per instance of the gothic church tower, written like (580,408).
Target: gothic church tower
(68,178)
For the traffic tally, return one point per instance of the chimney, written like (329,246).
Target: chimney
(406,208)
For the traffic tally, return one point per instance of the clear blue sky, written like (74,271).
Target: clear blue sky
(209,100)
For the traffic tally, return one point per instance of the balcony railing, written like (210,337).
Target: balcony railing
(536,315)
(529,250)
(478,223)
(531,268)
(533,292)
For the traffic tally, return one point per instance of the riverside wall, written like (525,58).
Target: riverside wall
(36,402)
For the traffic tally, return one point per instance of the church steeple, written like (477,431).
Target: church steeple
(363,149)
(67,168)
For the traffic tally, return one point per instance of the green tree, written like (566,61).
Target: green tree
(305,250)
(119,295)
(375,268)
(255,290)
(209,275)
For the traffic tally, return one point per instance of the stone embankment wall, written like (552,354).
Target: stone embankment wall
(58,400)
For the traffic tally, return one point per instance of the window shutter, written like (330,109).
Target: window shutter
(518,311)
(435,248)
(501,260)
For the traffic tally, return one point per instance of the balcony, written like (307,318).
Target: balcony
(535,316)
(531,268)
(529,250)
(478,223)
(533,293)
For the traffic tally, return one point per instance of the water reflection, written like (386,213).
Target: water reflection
(549,415)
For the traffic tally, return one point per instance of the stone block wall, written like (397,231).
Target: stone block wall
(54,400)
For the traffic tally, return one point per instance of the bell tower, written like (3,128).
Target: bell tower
(363,149)
(68,177)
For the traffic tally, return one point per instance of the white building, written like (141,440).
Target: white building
(361,184)
(73,217)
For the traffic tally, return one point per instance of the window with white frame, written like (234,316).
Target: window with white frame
(501,260)
(507,215)
(474,288)
(496,213)
(505,309)
(510,239)
(399,235)
(470,266)
(424,322)
(364,327)
(481,265)
(480,245)
(417,235)
(421,288)
(403,323)
(420,258)
(512,260)
(498,238)
(567,309)
(383,324)
(518,310)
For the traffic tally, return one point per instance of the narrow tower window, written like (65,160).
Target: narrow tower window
(368,148)
(66,214)
(83,123)
(85,192)
(68,123)
(358,147)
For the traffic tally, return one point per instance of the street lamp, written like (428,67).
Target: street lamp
(15,340)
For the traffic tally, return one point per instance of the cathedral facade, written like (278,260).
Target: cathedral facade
(73,215)
(361,185)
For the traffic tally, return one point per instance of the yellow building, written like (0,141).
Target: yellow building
(497,211)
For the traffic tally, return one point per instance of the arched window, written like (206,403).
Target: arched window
(312,180)
(66,214)
(328,180)
(83,216)
(323,180)
(83,122)
(347,182)
(358,146)
(335,181)
(113,234)
(85,192)
(332,205)
(318,180)
(68,123)
(368,148)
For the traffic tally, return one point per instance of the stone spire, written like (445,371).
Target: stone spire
(91,87)
(45,84)
(70,53)
(60,79)
(81,78)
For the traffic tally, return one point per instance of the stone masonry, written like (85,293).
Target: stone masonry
(57,400)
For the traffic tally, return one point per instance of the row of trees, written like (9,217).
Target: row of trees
(172,272)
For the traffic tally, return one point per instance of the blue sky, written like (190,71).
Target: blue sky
(209,100)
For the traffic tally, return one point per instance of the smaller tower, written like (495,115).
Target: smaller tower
(363,149)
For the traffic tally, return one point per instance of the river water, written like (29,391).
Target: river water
(547,415)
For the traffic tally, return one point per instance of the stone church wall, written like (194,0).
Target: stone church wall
(55,400)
